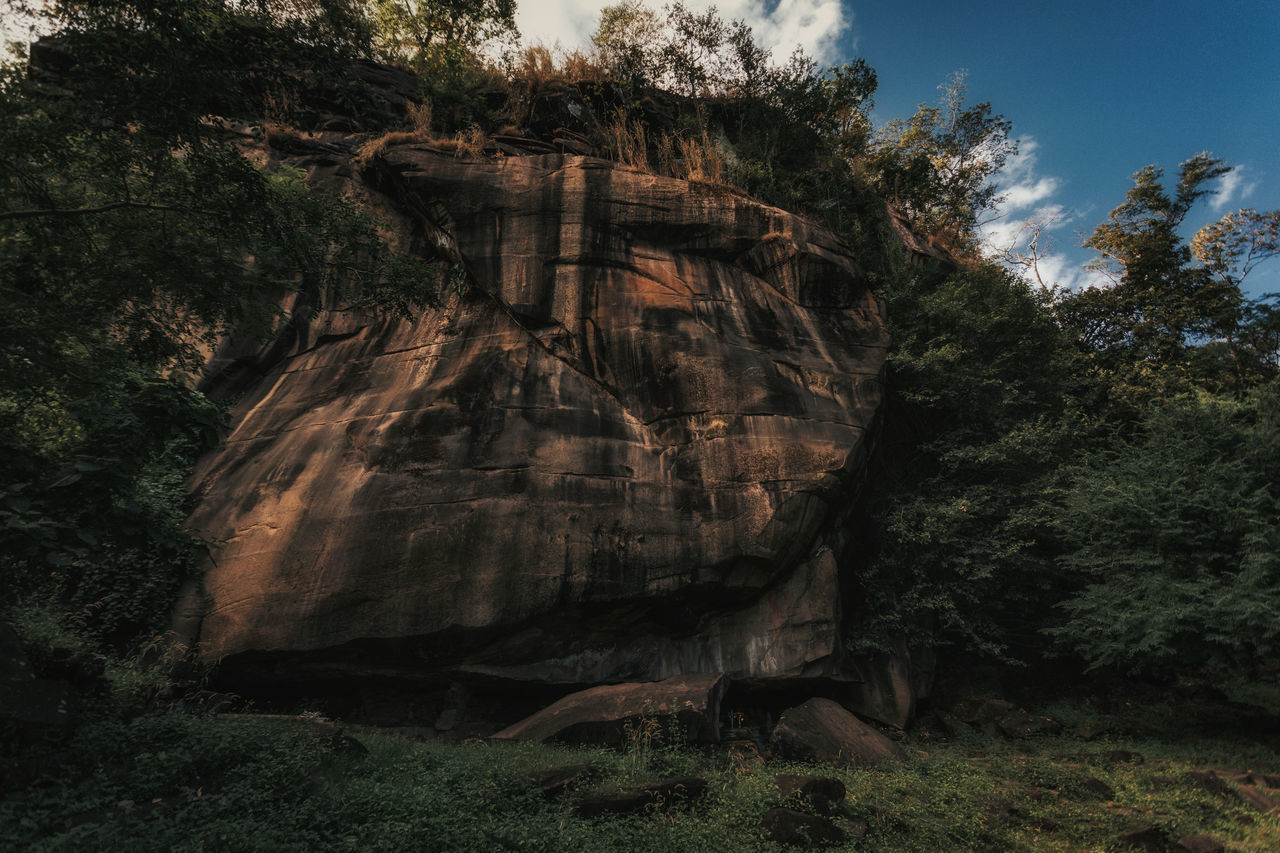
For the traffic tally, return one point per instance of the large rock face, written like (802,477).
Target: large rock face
(625,454)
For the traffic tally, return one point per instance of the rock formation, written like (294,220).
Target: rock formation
(628,452)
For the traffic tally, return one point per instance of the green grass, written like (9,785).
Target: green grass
(201,783)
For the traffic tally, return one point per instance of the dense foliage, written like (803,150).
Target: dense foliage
(133,230)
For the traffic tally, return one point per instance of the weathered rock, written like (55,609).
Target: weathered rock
(1210,782)
(600,714)
(1203,843)
(628,453)
(1002,717)
(1020,724)
(1097,787)
(1258,800)
(797,829)
(821,730)
(1150,839)
(665,793)
(554,781)
(887,686)
(822,793)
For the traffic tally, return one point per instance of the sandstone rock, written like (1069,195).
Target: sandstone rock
(630,451)
(821,730)
(667,792)
(600,714)
(822,793)
(1258,800)
(1203,843)
(554,781)
(1150,839)
(797,829)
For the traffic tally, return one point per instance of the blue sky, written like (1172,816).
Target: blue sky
(1102,89)
(1096,90)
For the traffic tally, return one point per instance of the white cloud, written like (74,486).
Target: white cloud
(1027,212)
(1232,188)
(781,25)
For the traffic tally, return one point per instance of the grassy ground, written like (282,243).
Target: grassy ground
(187,783)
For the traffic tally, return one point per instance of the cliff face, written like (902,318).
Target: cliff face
(628,452)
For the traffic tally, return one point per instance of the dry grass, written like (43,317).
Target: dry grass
(419,116)
(535,69)
(692,158)
(579,67)
(627,141)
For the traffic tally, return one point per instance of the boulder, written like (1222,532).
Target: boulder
(797,829)
(821,793)
(631,449)
(1203,843)
(600,715)
(823,731)
(1149,839)
(554,781)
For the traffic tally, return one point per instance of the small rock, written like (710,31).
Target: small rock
(823,793)
(1258,800)
(1207,780)
(953,726)
(1097,786)
(554,781)
(666,792)
(1203,843)
(1150,839)
(797,829)
(447,720)
(1019,724)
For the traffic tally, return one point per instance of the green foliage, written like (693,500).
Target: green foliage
(939,164)
(179,782)
(981,379)
(133,232)
(1176,535)
(413,31)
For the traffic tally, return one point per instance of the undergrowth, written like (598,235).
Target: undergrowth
(190,783)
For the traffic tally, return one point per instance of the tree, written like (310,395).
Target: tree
(413,31)
(628,38)
(133,230)
(985,412)
(938,164)
(1175,316)
(1174,535)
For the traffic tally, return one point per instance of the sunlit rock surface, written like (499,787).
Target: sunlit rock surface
(629,452)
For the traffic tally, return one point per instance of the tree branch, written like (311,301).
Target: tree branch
(89,211)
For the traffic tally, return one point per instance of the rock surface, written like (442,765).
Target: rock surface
(797,829)
(663,793)
(822,793)
(627,453)
(600,714)
(821,730)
